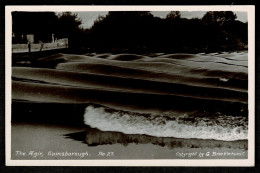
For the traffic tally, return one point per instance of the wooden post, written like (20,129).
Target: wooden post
(29,47)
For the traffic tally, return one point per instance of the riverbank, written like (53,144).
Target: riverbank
(54,144)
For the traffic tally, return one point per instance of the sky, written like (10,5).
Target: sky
(88,18)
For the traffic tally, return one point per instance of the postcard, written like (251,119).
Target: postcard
(130,85)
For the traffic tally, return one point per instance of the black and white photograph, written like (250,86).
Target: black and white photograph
(130,85)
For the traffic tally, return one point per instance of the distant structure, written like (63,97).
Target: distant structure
(30,38)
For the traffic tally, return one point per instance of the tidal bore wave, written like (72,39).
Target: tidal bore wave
(169,124)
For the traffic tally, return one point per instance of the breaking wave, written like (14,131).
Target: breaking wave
(168,124)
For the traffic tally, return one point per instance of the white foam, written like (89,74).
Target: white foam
(223,79)
(219,128)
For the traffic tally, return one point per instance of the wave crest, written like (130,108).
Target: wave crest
(169,124)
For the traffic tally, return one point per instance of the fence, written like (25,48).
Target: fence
(58,44)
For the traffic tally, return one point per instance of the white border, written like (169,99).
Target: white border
(251,88)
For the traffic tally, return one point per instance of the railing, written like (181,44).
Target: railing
(58,44)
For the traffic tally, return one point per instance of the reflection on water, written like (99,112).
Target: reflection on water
(95,137)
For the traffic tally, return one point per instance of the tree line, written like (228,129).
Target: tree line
(138,31)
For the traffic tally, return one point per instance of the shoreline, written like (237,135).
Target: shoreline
(32,138)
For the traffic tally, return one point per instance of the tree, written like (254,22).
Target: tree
(173,15)
(69,26)
(140,32)
(41,24)
(219,17)
(68,23)
(99,19)
(122,30)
